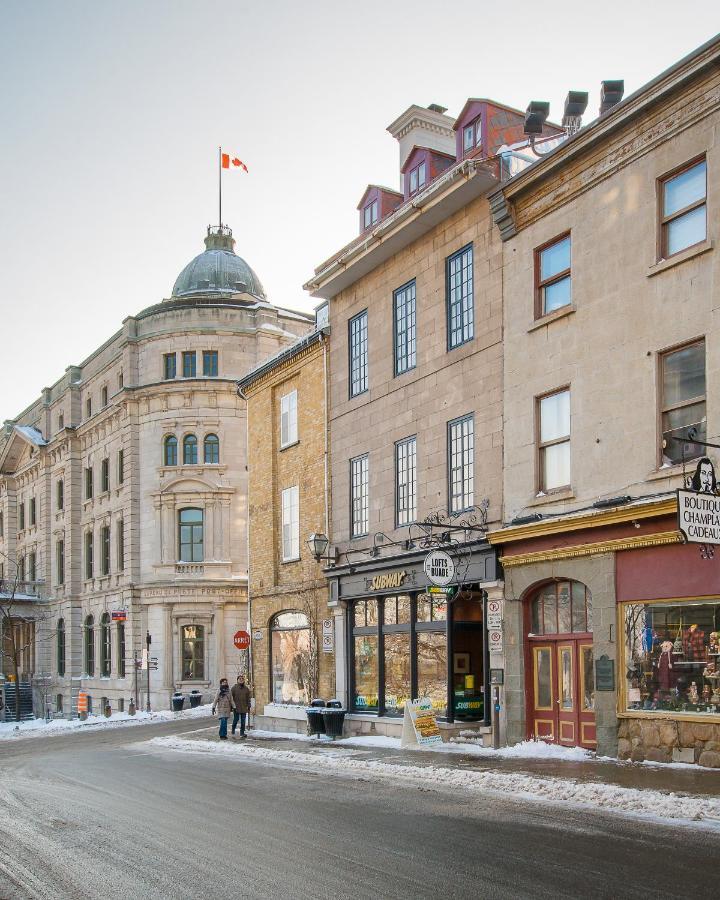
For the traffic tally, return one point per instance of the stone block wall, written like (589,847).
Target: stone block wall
(663,740)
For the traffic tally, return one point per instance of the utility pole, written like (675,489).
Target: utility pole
(148,641)
(137,664)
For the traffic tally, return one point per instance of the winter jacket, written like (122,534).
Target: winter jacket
(223,704)
(240,697)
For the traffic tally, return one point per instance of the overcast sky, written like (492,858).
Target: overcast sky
(111,114)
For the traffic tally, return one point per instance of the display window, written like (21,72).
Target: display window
(290,657)
(672,657)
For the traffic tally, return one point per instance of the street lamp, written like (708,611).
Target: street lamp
(318,544)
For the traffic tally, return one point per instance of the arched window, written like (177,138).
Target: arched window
(61,647)
(189,450)
(105,646)
(89,646)
(290,657)
(190,535)
(212,449)
(170,450)
(193,653)
(563,607)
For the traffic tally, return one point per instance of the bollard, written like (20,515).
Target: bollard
(131,708)
(108,711)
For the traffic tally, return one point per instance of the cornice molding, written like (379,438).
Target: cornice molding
(611,546)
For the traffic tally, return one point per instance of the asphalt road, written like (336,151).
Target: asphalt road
(105,815)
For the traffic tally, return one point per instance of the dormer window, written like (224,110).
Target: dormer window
(370,214)
(472,135)
(418,177)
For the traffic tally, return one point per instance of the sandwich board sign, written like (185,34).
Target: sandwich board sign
(420,724)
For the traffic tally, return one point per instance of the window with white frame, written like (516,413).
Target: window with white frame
(461,454)
(554,440)
(405,481)
(290,524)
(288,419)
(359,496)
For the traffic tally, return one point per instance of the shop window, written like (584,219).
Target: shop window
(60,638)
(211,450)
(89,655)
(290,657)
(553,412)
(170,450)
(683,216)
(553,285)
(563,607)
(105,646)
(671,657)
(683,404)
(193,653)
(358,344)
(190,450)
(190,537)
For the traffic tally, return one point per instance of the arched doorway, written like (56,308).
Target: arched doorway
(560,684)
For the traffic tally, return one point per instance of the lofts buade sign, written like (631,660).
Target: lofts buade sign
(699,506)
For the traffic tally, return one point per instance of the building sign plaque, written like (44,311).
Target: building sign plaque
(387,581)
(604,674)
(699,506)
(439,568)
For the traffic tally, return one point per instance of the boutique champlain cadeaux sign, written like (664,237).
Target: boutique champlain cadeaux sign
(699,506)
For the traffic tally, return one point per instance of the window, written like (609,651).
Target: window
(60,561)
(211,449)
(88,483)
(472,135)
(683,213)
(121,466)
(21,569)
(104,397)
(190,523)
(170,448)
(105,646)
(290,524)
(554,441)
(553,288)
(418,177)
(121,381)
(190,450)
(2,524)
(169,366)
(33,512)
(60,639)
(89,648)
(21,515)
(563,607)
(288,419)
(358,328)
(105,550)
(682,404)
(193,653)
(290,655)
(189,364)
(461,456)
(105,476)
(359,499)
(404,314)
(370,214)
(61,422)
(121,649)
(60,489)
(32,567)
(210,363)
(88,408)
(405,480)
(121,546)
(88,554)
(461,312)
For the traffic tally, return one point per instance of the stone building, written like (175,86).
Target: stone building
(288,469)
(612,623)
(415,417)
(123,491)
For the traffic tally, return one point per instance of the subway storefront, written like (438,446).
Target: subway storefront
(406,638)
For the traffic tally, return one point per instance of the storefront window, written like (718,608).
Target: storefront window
(432,669)
(397,672)
(431,610)
(193,651)
(671,657)
(366,673)
(290,652)
(563,607)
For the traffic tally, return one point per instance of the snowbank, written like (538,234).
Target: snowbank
(607,797)
(41,728)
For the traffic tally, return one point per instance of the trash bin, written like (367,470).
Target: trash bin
(178,701)
(334,718)
(316,725)
(195,699)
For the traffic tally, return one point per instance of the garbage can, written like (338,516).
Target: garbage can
(178,701)
(334,718)
(195,699)
(316,725)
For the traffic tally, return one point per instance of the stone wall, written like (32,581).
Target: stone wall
(664,740)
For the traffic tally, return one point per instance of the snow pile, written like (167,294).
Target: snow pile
(654,804)
(41,728)
(523,750)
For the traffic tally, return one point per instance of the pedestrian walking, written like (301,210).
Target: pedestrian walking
(241,701)
(224,705)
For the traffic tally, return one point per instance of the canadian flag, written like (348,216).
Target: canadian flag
(238,163)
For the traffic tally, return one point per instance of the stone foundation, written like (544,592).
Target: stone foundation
(668,740)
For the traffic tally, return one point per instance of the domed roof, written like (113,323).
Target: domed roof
(218,270)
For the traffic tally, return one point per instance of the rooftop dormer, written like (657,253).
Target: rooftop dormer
(376,203)
(422,166)
(484,126)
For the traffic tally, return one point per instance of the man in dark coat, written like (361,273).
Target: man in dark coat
(241,701)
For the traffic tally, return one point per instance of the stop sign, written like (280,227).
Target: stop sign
(241,639)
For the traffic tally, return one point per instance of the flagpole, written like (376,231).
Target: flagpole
(220,186)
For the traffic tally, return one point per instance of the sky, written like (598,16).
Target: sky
(112,112)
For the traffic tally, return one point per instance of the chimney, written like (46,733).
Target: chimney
(421,126)
(611,93)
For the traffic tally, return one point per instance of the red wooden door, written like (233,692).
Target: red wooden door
(562,692)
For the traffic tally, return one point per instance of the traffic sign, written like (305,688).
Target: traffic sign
(241,639)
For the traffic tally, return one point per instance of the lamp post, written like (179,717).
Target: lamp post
(148,641)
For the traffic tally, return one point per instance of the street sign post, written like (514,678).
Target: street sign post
(241,639)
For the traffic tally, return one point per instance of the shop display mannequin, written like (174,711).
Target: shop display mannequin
(664,665)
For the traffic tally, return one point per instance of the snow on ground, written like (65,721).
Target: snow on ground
(41,728)
(512,785)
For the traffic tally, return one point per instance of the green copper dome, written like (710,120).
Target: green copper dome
(218,270)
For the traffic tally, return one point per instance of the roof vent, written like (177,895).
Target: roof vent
(611,93)
(435,107)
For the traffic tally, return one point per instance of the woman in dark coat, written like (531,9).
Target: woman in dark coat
(224,706)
